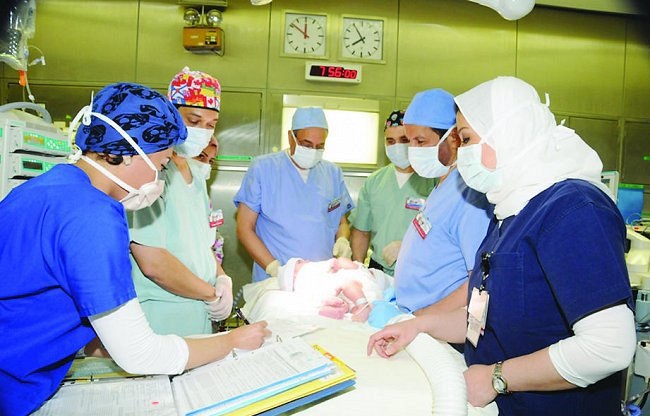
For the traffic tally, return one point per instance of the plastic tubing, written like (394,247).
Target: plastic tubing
(20,105)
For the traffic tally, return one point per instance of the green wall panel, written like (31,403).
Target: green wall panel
(86,41)
(453,45)
(288,73)
(579,59)
(602,136)
(637,71)
(161,53)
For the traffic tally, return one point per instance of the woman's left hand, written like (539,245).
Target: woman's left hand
(478,379)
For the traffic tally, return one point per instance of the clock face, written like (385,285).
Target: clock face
(362,39)
(305,34)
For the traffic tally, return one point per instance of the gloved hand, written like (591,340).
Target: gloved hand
(382,312)
(342,248)
(220,308)
(390,252)
(272,268)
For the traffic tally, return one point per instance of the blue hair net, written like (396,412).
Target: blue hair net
(147,116)
(432,108)
(308,117)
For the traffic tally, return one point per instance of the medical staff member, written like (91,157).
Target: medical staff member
(388,201)
(293,203)
(64,266)
(439,246)
(179,282)
(551,271)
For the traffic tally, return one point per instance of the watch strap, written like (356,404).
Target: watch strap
(498,381)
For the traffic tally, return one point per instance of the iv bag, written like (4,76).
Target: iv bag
(16,27)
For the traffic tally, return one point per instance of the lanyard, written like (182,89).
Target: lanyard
(485,269)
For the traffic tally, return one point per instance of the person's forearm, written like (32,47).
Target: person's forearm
(449,326)
(255,247)
(344,228)
(455,300)
(164,269)
(359,242)
(206,350)
(533,372)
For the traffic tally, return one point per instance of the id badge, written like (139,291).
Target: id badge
(416,204)
(422,224)
(477,315)
(335,203)
(216,218)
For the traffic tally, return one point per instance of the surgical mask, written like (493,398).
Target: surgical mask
(475,175)
(425,161)
(203,170)
(197,140)
(398,154)
(305,157)
(136,198)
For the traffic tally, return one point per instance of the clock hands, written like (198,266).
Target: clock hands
(304,32)
(361,37)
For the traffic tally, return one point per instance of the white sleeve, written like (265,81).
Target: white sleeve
(128,338)
(604,342)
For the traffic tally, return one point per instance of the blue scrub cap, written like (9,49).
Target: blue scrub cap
(147,116)
(432,108)
(308,117)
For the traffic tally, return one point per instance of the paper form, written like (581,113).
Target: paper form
(124,397)
(230,384)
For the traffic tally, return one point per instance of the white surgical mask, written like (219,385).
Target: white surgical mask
(398,154)
(425,161)
(475,175)
(203,170)
(305,157)
(197,140)
(136,198)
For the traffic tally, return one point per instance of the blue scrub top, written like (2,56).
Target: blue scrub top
(557,261)
(64,256)
(295,218)
(429,269)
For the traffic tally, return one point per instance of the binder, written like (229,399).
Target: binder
(288,371)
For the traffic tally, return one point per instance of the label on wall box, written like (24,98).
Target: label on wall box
(332,72)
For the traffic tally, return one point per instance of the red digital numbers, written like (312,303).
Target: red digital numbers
(333,72)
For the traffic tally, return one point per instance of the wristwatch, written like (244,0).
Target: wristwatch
(499,383)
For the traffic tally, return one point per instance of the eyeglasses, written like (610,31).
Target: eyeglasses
(485,268)
(309,145)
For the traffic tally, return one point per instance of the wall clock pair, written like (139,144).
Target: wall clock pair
(360,38)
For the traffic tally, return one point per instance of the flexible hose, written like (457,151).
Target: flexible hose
(21,105)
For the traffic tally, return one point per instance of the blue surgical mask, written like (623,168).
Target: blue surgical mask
(398,155)
(197,140)
(305,157)
(203,170)
(475,175)
(425,160)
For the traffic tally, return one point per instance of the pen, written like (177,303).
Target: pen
(241,316)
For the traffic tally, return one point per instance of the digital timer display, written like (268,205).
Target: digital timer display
(333,72)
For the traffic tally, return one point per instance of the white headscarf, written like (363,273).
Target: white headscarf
(532,151)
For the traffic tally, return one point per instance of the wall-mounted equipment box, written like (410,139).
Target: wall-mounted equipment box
(203,39)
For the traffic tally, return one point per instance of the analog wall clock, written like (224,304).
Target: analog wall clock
(362,39)
(305,34)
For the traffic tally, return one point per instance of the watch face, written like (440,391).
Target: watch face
(305,34)
(499,385)
(362,38)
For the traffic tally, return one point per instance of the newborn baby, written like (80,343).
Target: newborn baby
(336,286)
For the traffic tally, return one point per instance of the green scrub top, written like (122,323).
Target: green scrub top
(179,223)
(382,208)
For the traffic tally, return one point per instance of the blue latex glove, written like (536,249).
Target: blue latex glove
(389,294)
(382,312)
